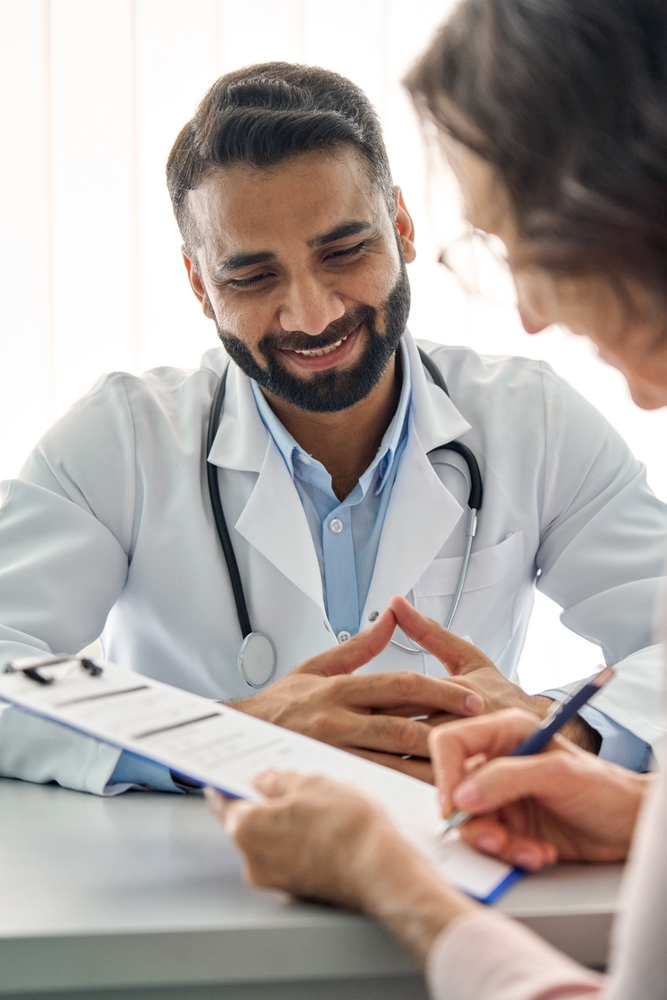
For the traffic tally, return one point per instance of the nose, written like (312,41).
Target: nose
(309,306)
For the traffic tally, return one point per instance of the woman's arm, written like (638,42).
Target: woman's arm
(317,838)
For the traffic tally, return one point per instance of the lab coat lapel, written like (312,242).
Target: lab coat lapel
(421,513)
(273,520)
(242,438)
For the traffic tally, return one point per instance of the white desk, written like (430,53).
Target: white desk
(141,897)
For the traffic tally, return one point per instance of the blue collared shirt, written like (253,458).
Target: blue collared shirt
(346,533)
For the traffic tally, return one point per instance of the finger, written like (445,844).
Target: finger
(217,802)
(229,812)
(490,836)
(353,653)
(493,735)
(545,777)
(458,655)
(273,783)
(441,719)
(406,687)
(384,733)
(415,767)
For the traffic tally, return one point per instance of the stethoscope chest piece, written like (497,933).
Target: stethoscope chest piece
(257,659)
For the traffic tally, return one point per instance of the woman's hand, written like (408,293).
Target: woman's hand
(320,839)
(531,811)
(310,836)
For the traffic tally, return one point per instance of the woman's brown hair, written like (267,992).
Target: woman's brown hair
(568,100)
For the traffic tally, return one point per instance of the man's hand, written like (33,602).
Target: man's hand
(477,673)
(370,714)
(530,811)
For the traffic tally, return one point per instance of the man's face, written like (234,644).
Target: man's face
(302,268)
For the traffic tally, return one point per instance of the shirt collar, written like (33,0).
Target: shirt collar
(385,454)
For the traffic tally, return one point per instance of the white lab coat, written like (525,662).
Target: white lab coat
(108,529)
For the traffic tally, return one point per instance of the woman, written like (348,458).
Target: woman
(553,115)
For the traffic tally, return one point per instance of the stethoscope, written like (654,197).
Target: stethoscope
(257,656)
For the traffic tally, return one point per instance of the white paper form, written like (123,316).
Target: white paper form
(218,746)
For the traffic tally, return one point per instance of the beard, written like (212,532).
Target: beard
(328,391)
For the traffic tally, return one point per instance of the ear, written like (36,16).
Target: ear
(196,284)
(405,227)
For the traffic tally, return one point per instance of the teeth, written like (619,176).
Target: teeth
(319,353)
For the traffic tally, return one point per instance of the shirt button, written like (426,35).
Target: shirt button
(374,615)
(337,526)
(344,635)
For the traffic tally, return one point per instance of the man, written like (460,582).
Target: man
(335,477)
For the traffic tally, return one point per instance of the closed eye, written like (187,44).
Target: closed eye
(347,253)
(350,251)
(247,282)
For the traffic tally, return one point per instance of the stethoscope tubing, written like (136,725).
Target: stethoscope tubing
(219,514)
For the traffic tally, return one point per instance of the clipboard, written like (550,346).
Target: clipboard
(212,744)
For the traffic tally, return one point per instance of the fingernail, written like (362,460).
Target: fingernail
(487,842)
(445,807)
(525,859)
(474,704)
(468,795)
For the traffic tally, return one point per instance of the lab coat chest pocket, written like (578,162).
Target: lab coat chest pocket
(488,604)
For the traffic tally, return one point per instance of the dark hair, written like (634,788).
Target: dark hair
(568,100)
(264,114)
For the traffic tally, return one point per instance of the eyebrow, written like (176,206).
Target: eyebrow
(352,228)
(239,260)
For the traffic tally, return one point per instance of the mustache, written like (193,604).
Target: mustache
(298,341)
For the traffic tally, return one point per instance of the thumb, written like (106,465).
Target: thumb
(228,811)
(457,655)
(353,653)
(272,784)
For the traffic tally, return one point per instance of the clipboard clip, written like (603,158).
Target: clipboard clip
(31,666)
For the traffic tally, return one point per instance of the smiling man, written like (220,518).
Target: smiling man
(330,451)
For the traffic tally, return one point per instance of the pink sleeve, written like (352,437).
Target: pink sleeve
(484,956)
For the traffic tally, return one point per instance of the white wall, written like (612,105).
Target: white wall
(92,95)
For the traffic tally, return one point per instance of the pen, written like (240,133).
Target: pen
(561,713)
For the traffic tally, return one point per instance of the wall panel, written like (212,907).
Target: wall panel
(266,30)
(26,393)
(177,59)
(93,192)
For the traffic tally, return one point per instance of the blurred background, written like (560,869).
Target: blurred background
(92,96)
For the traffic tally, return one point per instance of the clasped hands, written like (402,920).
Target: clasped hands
(387,717)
